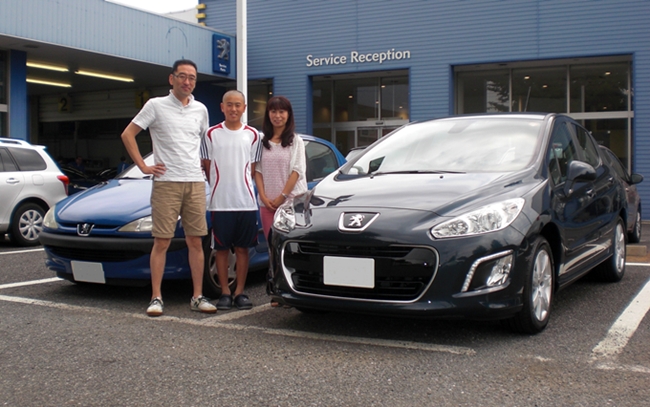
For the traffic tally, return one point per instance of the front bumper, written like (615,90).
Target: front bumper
(121,258)
(404,283)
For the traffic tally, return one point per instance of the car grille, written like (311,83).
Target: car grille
(99,256)
(401,273)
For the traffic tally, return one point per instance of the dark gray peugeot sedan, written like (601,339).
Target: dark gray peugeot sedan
(477,216)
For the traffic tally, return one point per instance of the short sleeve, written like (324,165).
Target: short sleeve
(146,116)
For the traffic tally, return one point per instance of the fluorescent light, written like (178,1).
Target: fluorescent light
(104,76)
(47,66)
(50,83)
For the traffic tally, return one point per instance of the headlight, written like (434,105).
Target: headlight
(49,221)
(284,219)
(487,219)
(140,225)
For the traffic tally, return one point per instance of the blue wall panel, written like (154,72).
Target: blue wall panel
(18,118)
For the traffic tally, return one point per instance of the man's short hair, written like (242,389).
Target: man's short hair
(233,91)
(184,62)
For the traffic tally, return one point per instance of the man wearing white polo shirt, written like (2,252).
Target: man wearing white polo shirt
(177,124)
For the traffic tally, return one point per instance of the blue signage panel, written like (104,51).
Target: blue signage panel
(220,54)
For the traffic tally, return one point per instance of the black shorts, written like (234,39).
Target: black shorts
(234,229)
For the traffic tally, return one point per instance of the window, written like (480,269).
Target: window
(561,152)
(321,161)
(587,146)
(354,109)
(599,88)
(6,163)
(539,90)
(28,160)
(593,91)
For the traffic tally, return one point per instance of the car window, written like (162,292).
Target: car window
(587,146)
(561,152)
(321,161)
(27,159)
(6,163)
(616,164)
(454,145)
(134,172)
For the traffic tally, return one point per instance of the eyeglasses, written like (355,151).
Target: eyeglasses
(184,77)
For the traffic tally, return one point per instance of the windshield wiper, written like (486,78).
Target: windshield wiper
(415,172)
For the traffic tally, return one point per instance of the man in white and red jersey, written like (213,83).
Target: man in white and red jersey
(229,151)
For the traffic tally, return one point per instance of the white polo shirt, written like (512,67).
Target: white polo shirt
(176,134)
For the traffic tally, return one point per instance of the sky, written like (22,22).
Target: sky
(159,6)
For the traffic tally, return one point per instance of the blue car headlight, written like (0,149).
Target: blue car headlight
(139,225)
(487,219)
(49,221)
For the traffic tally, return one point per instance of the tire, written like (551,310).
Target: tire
(211,286)
(26,224)
(538,292)
(613,269)
(635,235)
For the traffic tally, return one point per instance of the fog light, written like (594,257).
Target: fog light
(500,271)
(489,272)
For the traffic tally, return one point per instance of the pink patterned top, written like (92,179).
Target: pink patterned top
(278,163)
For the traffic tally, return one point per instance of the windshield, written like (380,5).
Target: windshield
(459,145)
(134,172)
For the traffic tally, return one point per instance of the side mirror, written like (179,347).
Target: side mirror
(578,171)
(636,179)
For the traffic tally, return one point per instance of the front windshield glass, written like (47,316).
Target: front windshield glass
(461,145)
(134,172)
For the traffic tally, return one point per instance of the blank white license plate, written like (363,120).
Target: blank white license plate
(349,272)
(88,272)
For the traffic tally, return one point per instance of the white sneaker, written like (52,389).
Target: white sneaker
(202,304)
(155,307)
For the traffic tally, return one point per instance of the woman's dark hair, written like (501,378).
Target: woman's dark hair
(278,103)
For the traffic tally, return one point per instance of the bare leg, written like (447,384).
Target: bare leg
(242,268)
(222,270)
(157,264)
(196,259)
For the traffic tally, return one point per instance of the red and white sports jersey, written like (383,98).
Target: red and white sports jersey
(231,154)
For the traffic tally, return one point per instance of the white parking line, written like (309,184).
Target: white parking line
(22,251)
(218,323)
(624,327)
(33,282)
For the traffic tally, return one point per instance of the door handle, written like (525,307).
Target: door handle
(12,181)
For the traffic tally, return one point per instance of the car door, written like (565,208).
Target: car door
(575,203)
(606,199)
(631,192)
(12,182)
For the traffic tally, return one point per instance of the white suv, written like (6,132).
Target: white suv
(30,183)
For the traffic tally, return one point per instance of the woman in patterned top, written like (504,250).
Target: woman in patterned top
(280,175)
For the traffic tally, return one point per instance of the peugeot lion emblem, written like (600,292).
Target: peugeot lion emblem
(83,229)
(356,221)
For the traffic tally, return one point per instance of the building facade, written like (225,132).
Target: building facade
(355,70)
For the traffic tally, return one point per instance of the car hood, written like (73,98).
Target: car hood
(441,193)
(115,202)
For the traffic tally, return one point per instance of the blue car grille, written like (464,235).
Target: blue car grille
(401,273)
(97,255)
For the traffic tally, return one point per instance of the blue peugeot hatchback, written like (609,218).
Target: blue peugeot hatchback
(103,234)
